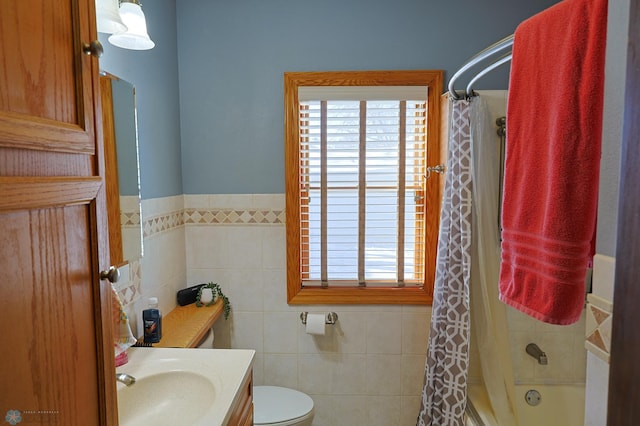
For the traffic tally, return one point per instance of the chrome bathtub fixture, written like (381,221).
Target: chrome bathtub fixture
(497,48)
(537,353)
(125,378)
(533,397)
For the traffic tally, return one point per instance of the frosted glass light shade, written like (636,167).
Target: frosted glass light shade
(108,17)
(136,37)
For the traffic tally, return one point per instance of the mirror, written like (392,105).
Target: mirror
(121,162)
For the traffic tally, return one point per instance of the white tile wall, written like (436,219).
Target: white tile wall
(596,392)
(564,346)
(604,268)
(163,266)
(368,368)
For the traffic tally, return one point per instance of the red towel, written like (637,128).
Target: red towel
(554,127)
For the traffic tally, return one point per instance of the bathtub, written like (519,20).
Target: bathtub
(561,405)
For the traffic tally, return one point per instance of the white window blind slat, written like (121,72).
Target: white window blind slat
(324,225)
(362,194)
(362,166)
(335,93)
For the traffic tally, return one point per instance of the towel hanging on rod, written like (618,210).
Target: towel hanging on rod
(495,48)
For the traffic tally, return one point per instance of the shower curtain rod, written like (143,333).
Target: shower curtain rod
(497,47)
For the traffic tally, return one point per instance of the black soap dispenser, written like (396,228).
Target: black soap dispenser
(152,320)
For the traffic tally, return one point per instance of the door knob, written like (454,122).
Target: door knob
(93,49)
(113,274)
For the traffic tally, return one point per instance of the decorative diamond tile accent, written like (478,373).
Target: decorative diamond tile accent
(157,224)
(247,217)
(130,218)
(132,291)
(596,339)
(233,217)
(598,328)
(599,315)
(166,222)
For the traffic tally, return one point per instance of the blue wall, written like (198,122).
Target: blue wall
(232,56)
(154,73)
(210,94)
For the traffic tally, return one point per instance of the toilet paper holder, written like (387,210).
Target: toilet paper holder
(330,318)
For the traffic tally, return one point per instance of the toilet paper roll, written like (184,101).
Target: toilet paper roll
(316,324)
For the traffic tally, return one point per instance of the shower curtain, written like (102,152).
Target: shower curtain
(445,382)
(488,314)
(468,268)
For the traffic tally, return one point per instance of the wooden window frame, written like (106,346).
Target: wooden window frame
(296,293)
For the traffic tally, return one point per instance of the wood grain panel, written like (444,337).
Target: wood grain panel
(186,326)
(14,162)
(45,91)
(112,185)
(32,59)
(37,133)
(47,311)
(57,364)
(17,193)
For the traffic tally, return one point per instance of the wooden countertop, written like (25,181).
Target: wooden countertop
(186,326)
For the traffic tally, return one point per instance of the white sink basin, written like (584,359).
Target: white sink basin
(181,386)
(174,397)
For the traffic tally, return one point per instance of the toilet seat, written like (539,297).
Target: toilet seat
(275,405)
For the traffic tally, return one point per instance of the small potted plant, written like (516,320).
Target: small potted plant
(209,293)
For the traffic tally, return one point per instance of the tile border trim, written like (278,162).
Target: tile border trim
(199,216)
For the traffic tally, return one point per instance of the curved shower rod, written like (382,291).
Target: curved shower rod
(497,47)
(503,60)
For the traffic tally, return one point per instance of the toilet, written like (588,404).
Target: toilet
(278,406)
(275,405)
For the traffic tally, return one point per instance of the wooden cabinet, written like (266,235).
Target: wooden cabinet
(242,412)
(56,366)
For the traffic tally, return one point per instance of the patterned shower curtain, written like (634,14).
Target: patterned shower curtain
(444,393)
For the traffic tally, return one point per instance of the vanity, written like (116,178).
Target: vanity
(178,384)
(187,386)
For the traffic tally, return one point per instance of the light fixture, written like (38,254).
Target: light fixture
(108,17)
(136,36)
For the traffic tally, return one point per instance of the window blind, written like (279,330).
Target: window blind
(362,167)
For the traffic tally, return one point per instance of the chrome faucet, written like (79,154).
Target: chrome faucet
(125,378)
(537,353)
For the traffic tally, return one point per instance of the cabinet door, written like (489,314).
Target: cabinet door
(242,411)
(46,93)
(56,363)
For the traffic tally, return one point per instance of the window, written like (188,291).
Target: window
(361,214)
